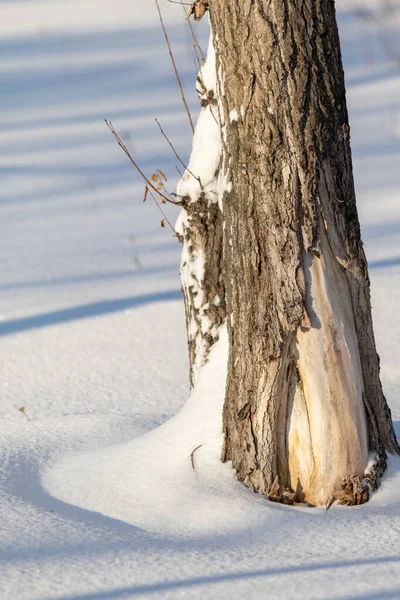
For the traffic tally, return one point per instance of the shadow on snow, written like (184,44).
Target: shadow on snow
(84,311)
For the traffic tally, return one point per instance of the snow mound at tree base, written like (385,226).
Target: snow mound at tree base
(150,482)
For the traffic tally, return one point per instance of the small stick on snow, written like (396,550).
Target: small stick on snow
(22,410)
(329,504)
(192,456)
(176,154)
(174,66)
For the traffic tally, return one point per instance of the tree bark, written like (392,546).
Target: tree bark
(304,402)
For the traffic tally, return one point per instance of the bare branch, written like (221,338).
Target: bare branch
(196,41)
(181,174)
(125,149)
(196,61)
(174,66)
(165,218)
(176,154)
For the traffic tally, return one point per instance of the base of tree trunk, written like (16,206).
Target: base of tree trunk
(272,245)
(353,491)
(304,405)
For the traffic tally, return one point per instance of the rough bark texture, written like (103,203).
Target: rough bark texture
(304,401)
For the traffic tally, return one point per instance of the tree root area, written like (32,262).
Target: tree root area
(353,491)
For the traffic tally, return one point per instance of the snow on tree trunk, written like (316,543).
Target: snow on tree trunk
(304,402)
(200,227)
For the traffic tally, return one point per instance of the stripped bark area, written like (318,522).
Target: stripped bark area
(200,228)
(304,402)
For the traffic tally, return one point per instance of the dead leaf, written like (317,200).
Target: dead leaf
(198,9)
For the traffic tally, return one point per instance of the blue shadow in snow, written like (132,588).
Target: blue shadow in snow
(95,277)
(142,590)
(385,262)
(84,311)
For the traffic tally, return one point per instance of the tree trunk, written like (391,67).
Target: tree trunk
(304,402)
(280,256)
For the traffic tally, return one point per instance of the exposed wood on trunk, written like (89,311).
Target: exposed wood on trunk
(331,387)
(304,400)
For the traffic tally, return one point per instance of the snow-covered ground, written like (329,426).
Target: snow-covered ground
(92,339)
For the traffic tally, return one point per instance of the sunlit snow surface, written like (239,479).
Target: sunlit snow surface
(92,339)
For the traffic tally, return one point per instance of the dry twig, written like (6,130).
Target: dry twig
(175,68)
(192,456)
(148,182)
(329,504)
(22,410)
(196,41)
(165,218)
(175,152)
